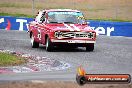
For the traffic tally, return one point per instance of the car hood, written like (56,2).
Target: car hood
(69,27)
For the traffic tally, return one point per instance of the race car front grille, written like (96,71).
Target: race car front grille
(74,35)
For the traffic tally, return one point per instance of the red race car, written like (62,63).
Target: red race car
(61,27)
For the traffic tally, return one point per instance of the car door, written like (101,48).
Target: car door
(41,28)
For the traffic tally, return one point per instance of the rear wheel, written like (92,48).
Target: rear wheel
(90,47)
(34,44)
(49,45)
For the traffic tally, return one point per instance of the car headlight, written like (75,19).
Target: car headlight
(90,35)
(58,34)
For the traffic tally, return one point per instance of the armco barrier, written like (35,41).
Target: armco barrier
(101,27)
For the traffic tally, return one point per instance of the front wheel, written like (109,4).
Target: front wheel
(49,45)
(34,44)
(90,47)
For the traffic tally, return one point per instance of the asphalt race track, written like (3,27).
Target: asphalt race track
(111,55)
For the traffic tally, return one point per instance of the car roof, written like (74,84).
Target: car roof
(54,10)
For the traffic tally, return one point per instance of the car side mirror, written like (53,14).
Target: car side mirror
(40,22)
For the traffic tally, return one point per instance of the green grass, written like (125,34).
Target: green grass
(10,60)
(30,16)
(16,15)
(115,20)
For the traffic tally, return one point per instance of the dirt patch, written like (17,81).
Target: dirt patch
(59,84)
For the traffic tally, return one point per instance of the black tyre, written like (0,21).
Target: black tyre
(90,47)
(34,44)
(49,45)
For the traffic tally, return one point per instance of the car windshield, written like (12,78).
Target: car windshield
(66,17)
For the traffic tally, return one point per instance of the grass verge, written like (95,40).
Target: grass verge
(10,60)
(16,15)
(114,20)
(30,16)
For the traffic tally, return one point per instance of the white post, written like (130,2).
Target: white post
(33,7)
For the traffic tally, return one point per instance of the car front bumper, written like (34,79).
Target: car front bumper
(72,41)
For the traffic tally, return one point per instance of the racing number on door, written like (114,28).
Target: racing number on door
(39,35)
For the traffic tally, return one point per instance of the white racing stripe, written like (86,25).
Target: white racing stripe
(69,27)
(76,28)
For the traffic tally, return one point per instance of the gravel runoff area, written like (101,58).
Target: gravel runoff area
(33,64)
(59,84)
